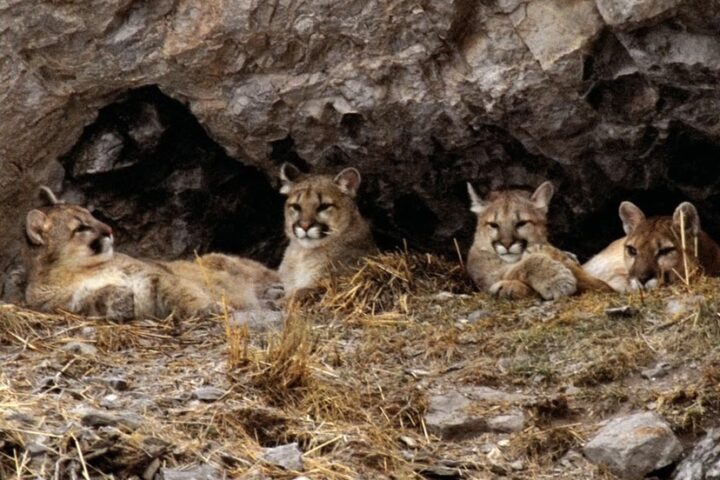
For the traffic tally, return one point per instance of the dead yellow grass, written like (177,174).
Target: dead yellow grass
(349,376)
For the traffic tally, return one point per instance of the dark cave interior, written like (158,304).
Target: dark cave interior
(149,169)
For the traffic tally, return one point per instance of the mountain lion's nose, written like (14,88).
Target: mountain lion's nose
(645,277)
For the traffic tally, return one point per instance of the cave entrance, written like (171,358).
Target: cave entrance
(149,169)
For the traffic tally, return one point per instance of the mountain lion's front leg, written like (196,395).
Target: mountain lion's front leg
(585,281)
(511,289)
(184,298)
(548,277)
(116,303)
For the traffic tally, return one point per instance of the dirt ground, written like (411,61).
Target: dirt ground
(350,378)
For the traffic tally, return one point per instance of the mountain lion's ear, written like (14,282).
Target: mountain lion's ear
(690,218)
(289,174)
(48,196)
(631,216)
(349,181)
(542,195)
(36,225)
(476,203)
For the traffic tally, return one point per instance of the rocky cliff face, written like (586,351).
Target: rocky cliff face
(610,99)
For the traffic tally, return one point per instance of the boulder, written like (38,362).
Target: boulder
(703,463)
(634,445)
(632,13)
(448,417)
(287,456)
(170,119)
(202,472)
(451,415)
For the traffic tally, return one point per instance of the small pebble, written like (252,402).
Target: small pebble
(208,394)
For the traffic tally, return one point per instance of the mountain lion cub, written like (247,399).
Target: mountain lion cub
(324,225)
(71,265)
(652,252)
(511,257)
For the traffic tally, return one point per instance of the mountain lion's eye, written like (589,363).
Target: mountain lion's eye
(632,251)
(493,225)
(82,228)
(521,223)
(324,206)
(665,251)
(295,207)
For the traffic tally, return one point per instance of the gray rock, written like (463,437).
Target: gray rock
(440,471)
(450,414)
(508,423)
(203,472)
(556,32)
(287,456)
(101,418)
(634,445)
(448,417)
(151,469)
(111,401)
(208,394)
(658,371)
(703,463)
(500,93)
(631,13)
(99,156)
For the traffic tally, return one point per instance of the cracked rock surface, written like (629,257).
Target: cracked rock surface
(609,99)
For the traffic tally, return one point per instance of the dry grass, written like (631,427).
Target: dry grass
(349,377)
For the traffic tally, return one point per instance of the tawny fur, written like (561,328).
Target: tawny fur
(609,265)
(324,226)
(511,256)
(72,266)
(652,254)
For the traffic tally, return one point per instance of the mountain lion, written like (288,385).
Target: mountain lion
(324,225)
(652,252)
(72,265)
(511,257)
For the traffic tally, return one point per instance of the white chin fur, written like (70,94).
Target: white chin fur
(307,242)
(107,245)
(651,284)
(510,257)
(314,233)
(635,285)
(299,233)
